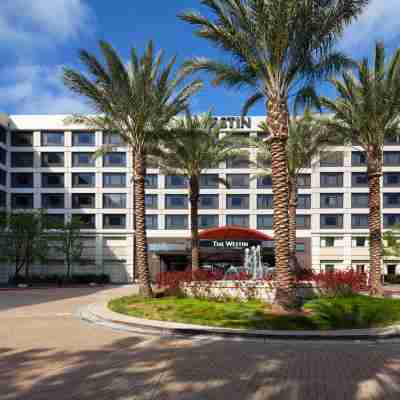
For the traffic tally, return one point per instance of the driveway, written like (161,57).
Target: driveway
(46,352)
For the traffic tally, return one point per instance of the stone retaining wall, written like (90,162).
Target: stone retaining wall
(243,290)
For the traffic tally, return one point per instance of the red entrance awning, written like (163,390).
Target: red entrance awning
(233,233)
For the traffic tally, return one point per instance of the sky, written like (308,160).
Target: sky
(39,37)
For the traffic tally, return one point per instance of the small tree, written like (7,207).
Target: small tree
(69,242)
(23,240)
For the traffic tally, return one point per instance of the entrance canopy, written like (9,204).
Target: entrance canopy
(234,233)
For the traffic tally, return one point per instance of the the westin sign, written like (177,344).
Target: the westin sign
(234,122)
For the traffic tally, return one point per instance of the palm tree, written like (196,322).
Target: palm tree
(137,101)
(306,140)
(366,112)
(192,145)
(278,49)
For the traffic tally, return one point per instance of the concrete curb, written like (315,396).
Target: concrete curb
(100,314)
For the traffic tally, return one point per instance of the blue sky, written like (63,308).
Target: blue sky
(40,36)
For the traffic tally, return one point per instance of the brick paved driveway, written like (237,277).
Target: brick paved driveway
(47,353)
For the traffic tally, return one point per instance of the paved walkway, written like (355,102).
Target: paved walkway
(47,353)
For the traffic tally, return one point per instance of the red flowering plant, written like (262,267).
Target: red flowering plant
(341,283)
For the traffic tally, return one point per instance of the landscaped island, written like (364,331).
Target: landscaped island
(351,312)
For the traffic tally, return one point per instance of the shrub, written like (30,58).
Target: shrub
(340,283)
(173,279)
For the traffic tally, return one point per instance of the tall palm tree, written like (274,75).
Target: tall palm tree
(278,49)
(366,111)
(193,145)
(137,101)
(306,140)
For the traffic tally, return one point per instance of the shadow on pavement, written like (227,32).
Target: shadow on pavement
(142,369)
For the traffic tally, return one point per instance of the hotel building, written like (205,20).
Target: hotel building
(47,164)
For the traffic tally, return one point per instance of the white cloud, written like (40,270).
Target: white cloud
(42,22)
(379,21)
(34,89)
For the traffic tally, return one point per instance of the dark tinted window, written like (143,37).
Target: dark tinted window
(359,200)
(265,221)
(83,139)
(264,182)
(239,161)
(209,181)
(151,201)
(87,221)
(391,220)
(53,180)
(3,177)
(3,199)
(22,200)
(237,201)
(83,179)
(359,221)
(52,159)
(83,160)
(331,159)
(331,179)
(22,180)
(359,179)
(391,158)
(331,200)
(151,181)
(83,200)
(304,201)
(22,139)
(304,180)
(209,201)
(265,201)
(113,138)
(358,159)
(114,200)
(114,160)
(391,179)
(52,138)
(114,221)
(331,221)
(391,200)
(176,222)
(303,221)
(208,221)
(53,200)
(114,180)
(3,156)
(238,220)
(152,222)
(22,159)
(237,181)
(176,201)
(175,182)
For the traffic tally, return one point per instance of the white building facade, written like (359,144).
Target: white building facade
(45,163)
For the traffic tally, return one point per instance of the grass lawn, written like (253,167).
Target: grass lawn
(323,313)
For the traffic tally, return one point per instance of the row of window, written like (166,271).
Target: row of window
(25,139)
(54,159)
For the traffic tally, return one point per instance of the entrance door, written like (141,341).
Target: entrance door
(391,269)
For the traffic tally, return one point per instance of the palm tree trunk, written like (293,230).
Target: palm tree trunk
(140,228)
(293,197)
(194,193)
(375,227)
(278,123)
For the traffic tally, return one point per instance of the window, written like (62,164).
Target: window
(175,181)
(304,201)
(391,179)
(113,139)
(359,200)
(329,268)
(390,220)
(22,160)
(300,248)
(83,160)
(21,139)
(114,221)
(358,159)
(114,180)
(114,160)
(3,199)
(83,200)
(208,201)
(176,222)
(328,241)
(3,135)
(151,222)
(209,181)
(265,221)
(3,156)
(331,159)
(54,221)
(22,180)
(263,162)
(238,220)
(83,179)
(83,139)
(239,161)
(392,140)
(391,269)
(208,221)
(331,179)
(238,181)
(3,177)
(331,200)
(237,201)
(53,200)
(303,221)
(304,180)
(87,221)
(265,201)
(264,182)
(331,221)
(52,138)
(151,181)
(359,179)
(176,201)
(151,201)
(359,221)
(114,200)
(391,200)
(360,242)
(52,159)
(22,200)
(53,180)
(360,269)
(391,158)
